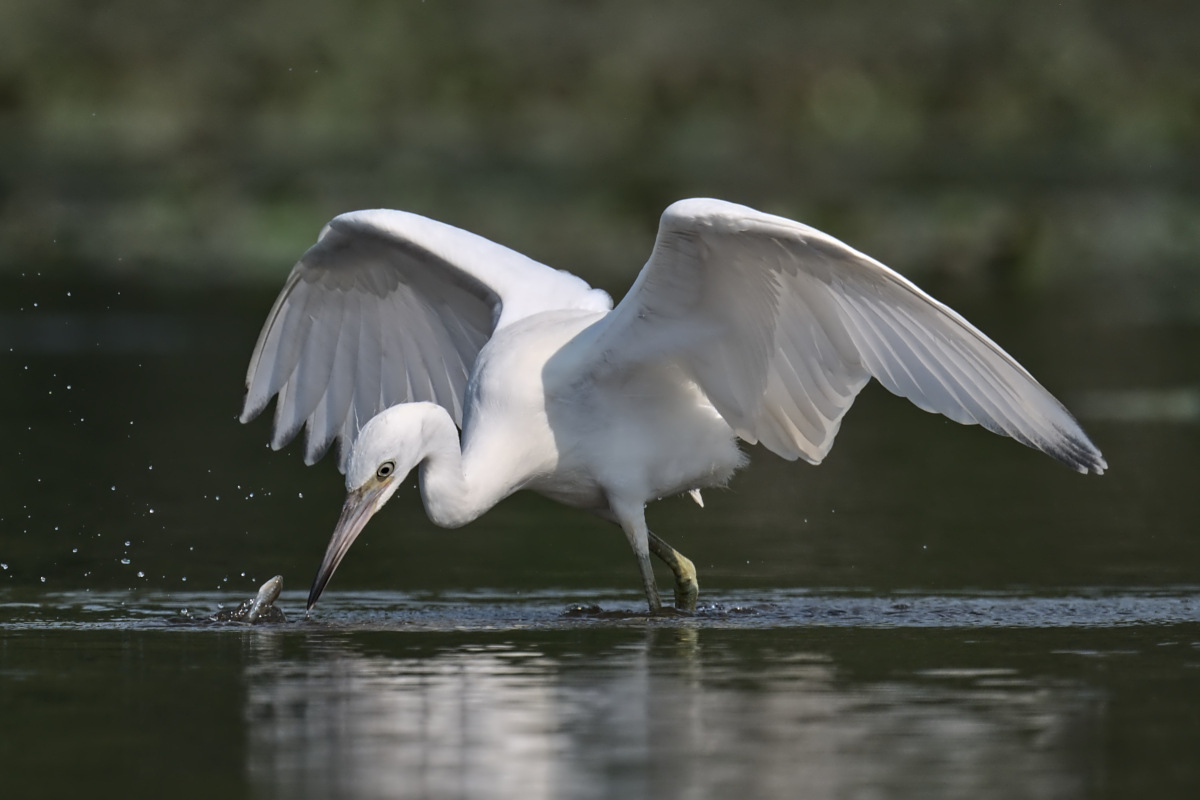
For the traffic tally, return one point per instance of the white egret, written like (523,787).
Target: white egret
(394,331)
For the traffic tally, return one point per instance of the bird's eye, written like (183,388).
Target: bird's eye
(385,470)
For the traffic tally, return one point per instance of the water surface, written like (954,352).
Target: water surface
(487,694)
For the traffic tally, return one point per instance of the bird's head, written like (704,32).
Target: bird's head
(387,449)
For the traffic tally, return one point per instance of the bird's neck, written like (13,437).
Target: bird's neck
(451,500)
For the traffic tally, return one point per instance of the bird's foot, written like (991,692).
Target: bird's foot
(686,596)
(687,588)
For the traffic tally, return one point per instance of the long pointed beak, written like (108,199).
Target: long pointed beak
(359,507)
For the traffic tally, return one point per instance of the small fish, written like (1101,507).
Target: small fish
(260,608)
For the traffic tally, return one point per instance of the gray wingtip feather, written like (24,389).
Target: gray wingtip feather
(315,449)
(1078,452)
(253,403)
(285,429)
(249,412)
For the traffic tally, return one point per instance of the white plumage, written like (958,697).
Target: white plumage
(394,331)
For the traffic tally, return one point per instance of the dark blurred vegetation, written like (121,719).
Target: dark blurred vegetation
(1007,145)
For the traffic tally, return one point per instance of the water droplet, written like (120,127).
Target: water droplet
(127,543)
(185,579)
(5,567)
(74,549)
(43,579)
(141,574)
(126,561)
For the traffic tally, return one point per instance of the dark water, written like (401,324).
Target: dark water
(934,612)
(490,695)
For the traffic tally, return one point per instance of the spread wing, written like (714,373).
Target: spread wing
(782,325)
(390,307)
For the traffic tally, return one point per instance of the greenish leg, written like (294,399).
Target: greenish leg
(634,524)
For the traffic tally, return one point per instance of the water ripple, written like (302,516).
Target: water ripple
(482,610)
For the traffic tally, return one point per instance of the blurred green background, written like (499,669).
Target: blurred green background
(162,165)
(985,140)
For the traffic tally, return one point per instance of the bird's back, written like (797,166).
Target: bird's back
(544,417)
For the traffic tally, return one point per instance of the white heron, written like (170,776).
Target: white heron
(394,332)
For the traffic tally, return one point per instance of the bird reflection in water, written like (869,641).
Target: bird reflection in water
(658,712)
